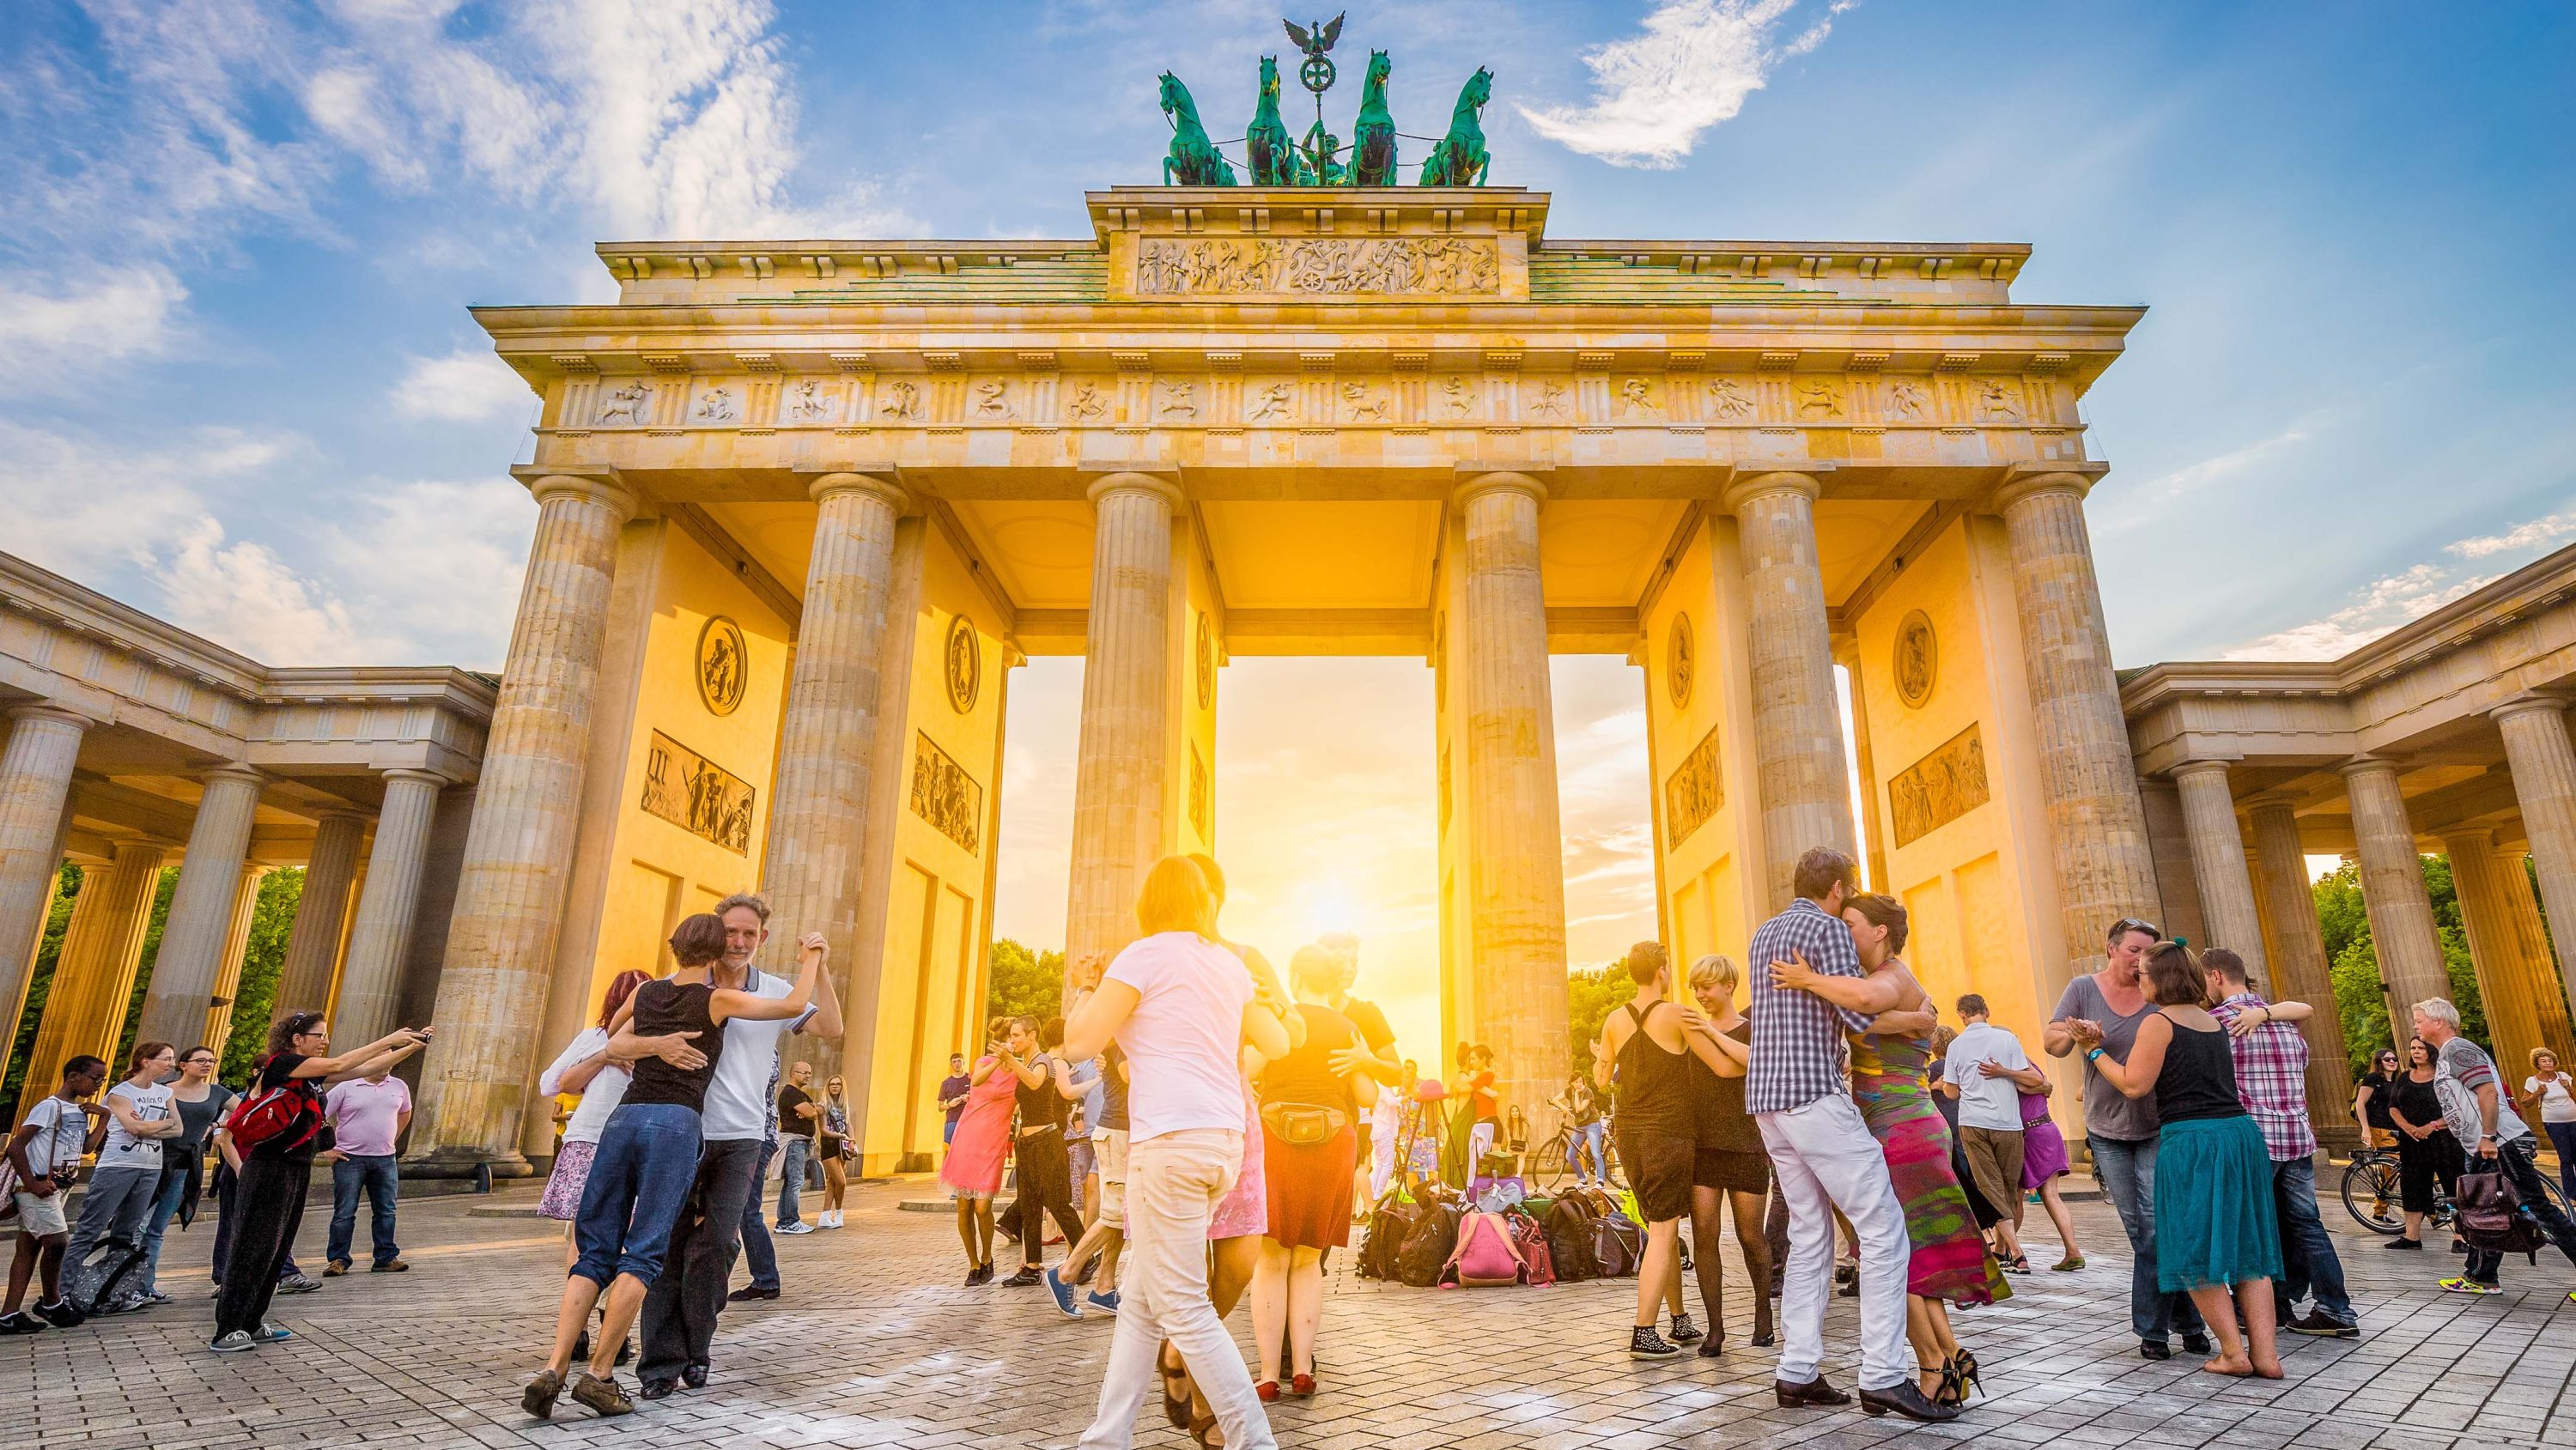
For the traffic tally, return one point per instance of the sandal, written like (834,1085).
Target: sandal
(1176,1388)
(1203,1431)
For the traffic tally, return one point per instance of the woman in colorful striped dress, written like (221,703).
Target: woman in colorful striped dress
(1950,1264)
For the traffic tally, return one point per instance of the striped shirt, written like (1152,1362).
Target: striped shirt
(1798,1036)
(2271,1079)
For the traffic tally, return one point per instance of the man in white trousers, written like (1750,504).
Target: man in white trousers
(1825,1156)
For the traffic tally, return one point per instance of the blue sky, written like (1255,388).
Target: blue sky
(238,386)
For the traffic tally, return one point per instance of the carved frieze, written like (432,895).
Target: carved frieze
(946,796)
(1939,788)
(697,795)
(1324,266)
(1695,791)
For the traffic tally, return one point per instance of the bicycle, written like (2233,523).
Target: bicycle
(1552,1164)
(2371,1195)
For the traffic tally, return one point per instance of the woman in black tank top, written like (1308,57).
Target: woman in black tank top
(2215,1225)
(640,1176)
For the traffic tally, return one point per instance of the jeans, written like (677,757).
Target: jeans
(2126,1169)
(758,1252)
(680,1309)
(2307,1251)
(375,1173)
(2562,1136)
(639,1183)
(1173,1183)
(1826,1159)
(2518,1162)
(267,1204)
(1583,1148)
(791,1180)
(165,1207)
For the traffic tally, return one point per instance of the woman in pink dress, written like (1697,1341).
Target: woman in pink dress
(974,1164)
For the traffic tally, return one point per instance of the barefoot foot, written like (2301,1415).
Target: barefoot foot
(2236,1365)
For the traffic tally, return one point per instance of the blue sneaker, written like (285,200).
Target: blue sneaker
(1062,1292)
(1108,1303)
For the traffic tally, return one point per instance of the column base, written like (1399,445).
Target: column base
(466,1162)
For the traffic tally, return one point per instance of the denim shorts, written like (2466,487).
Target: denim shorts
(639,1183)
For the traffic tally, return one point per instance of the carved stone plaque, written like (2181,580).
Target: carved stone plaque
(1318,266)
(697,795)
(962,661)
(1681,661)
(1205,663)
(945,795)
(723,665)
(1695,791)
(1918,659)
(1939,788)
(1198,794)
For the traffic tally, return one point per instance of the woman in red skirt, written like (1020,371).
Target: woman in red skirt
(1310,1136)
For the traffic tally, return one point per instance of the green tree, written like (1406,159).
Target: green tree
(1591,996)
(2354,959)
(40,982)
(161,893)
(1025,983)
(263,962)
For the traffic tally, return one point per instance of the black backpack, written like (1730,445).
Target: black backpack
(1618,1244)
(1568,1225)
(1389,1224)
(1427,1248)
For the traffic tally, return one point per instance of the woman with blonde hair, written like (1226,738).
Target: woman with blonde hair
(1181,1006)
(1729,1165)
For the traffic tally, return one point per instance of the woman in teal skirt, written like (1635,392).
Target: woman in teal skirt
(2214,1220)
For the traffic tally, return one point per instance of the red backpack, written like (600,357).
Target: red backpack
(290,1112)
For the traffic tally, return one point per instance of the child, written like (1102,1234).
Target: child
(45,1153)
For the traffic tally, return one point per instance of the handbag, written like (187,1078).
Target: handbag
(1302,1125)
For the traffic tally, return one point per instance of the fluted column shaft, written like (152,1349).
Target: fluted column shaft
(2218,868)
(380,940)
(201,909)
(2507,984)
(2402,930)
(518,850)
(219,1007)
(2536,750)
(2521,910)
(1121,774)
(35,781)
(1515,845)
(321,912)
(2297,952)
(827,740)
(2097,826)
(94,973)
(1803,786)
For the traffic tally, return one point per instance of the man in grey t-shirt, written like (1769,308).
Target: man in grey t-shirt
(2474,1108)
(2121,1130)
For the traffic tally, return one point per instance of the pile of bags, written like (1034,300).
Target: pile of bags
(1436,1238)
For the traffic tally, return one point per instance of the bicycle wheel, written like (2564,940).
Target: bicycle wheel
(2370,1194)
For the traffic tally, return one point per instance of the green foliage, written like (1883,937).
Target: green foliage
(1024,983)
(1592,996)
(2359,998)
(161,893)
(263,962)
(40,982)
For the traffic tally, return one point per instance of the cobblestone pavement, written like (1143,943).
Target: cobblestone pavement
(875,1344)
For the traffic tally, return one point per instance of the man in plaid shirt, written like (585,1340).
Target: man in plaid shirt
(2272,1083)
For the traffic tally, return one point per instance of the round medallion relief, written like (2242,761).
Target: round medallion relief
(962,661)
(1206,663)
(1681,661)
(723,665)
(1918,659)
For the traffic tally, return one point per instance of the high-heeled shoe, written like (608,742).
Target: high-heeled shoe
(1952,1390)
(1966,1360)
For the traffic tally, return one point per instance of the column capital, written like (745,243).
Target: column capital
(2214,766)
(51,715)
(597,485)
(2361,765)
(2480,837)
(2030,480)
(1746,486)
(431,778)
(2273,800)
(1164,484)
(1477,479)
(234,770)
(883,482)
(2526,705)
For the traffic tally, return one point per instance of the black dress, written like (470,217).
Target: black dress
(2436,1158)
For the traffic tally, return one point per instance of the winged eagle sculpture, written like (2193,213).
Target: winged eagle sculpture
(1320,37)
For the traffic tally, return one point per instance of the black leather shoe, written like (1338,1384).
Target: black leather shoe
(694,1376)
(749,1292)
(1904,1398)
(1813,1392)
(657,1389)
(2154,1349)
(2198,1344)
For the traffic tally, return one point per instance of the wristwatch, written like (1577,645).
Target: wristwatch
(2094,1053)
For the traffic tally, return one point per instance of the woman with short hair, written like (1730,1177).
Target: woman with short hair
(584,1068)
(1730,1168)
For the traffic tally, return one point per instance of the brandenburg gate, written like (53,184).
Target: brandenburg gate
(805,504)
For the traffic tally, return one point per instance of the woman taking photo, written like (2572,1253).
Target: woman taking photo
(200,1102)
(1729,1168)
(973,1167)
(2426,1152)
(2215,1227)
(271,1176)
(1310,1144)
(1181,1006)
(833,1147)
(647,1160)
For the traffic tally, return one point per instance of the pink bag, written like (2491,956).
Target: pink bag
(1486,1256)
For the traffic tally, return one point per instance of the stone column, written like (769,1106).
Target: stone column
(219,1007)
(827,737)
(35,781)
(2218,864)
(2506,982)
(1119,778)
(2522,916)
(201,909)
(94,974)
(2297,952)
(2536,750)
(518,851)
(2392,890)
(1805,791)
(2097,827)
(321,911)
(380,940)
(1515,847)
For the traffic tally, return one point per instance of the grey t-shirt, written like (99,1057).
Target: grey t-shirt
(2459,1070)
(2109,1112)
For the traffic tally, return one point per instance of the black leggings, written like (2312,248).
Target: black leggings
(2420,1164)
(1046,1186)
(267,1206)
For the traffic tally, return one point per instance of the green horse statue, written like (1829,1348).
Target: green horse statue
(1274,161)
(1195,160)
(1373,140)
(1460,159)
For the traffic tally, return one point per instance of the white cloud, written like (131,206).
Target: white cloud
(469,385)
(433,567)
(242,596)
(1653,94)
(81,506)
(2382,605)
(50,339)
(2521,538)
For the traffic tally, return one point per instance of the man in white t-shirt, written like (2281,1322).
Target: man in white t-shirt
(45,1153)
(1986,1071)
(737,1128)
